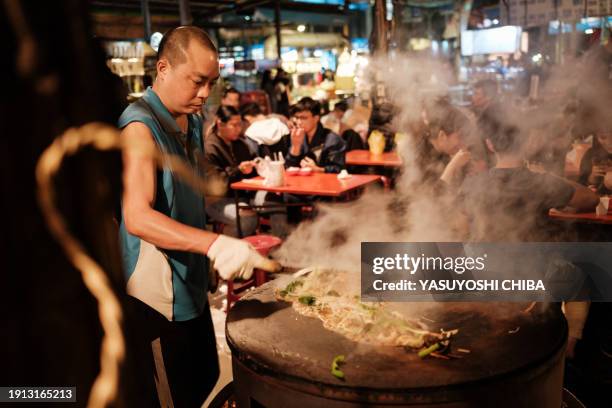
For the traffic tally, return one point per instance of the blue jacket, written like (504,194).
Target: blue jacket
(326,148)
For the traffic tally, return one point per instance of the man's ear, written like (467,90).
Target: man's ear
(162,67)
(490,145)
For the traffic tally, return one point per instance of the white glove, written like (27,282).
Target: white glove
(234,258)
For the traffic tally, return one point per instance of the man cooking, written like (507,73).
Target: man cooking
(165,246)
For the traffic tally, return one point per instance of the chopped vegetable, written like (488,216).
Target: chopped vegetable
(293,285)
(426,351)
(462,350)
(307,300)
(335,370)
(438,355)
(368,307)
(333,293)
(515,330)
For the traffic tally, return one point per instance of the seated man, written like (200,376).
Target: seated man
(448,134)
(333,120)
(227,159)
(311,145)
(511,203)
(231,97)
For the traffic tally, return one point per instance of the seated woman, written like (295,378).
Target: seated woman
(449,134)
(597,161)
(227,158)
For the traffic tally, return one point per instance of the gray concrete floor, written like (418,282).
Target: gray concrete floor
(217,307)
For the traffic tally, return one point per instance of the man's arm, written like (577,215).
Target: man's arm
(333,156)
(583,198)
(140,218)
(295,155)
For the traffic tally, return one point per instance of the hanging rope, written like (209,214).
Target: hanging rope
(102,137)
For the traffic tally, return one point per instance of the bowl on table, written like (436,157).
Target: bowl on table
(305,171)
(292,171)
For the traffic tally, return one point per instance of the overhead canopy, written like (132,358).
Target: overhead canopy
(304,40)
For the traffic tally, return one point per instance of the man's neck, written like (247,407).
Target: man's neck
(181,119)
(224,140)
(162,96)
(312,133)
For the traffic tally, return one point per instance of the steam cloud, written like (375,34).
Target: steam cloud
(414,212)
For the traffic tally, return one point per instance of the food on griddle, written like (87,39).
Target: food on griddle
(428,350)
(335,367)
(323,294)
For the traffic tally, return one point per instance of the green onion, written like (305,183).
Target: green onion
(335,370)
(307,300)
(427,351)
(293,285)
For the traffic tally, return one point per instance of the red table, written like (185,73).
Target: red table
(319,184)
(590,217)
(365,158)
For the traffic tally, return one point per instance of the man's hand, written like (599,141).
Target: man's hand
(597,173)
(234,258)
(458,162)
(309,163)
(297,138)
(246,167)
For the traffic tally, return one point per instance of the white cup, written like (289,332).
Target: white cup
(602,207)
(275,176)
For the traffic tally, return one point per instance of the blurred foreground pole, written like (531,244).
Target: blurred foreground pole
(379,45)
(54,77)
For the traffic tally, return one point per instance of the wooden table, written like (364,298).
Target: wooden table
(319,184)
(365,158)
(589,217)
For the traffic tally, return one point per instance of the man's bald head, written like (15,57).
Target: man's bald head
(175,42)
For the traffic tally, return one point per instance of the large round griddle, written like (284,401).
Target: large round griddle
(269,336)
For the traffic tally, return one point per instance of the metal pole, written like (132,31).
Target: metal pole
(464,17)
(380,19)
(146,15)
(277,26)
(185,12)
